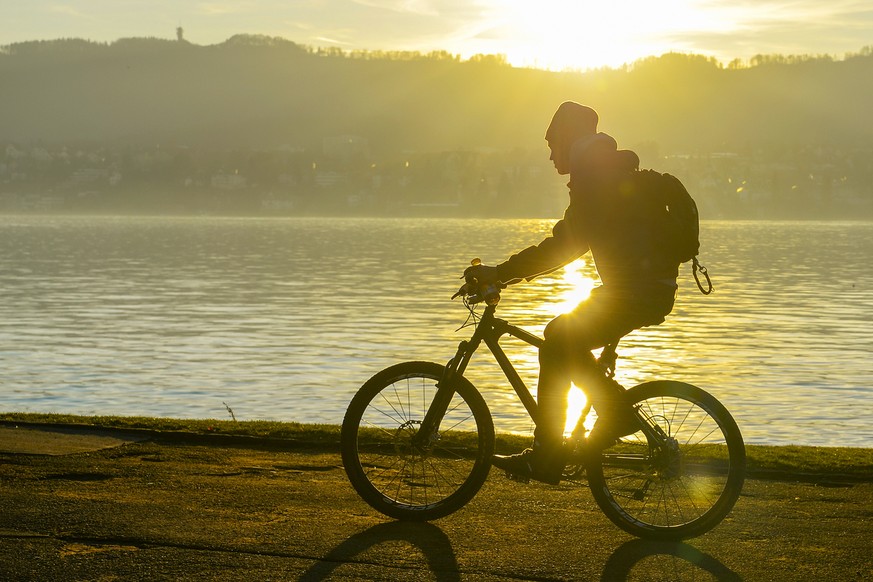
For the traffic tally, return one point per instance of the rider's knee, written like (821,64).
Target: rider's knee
(553,353)
(557,344)
(551,329)
(554,328)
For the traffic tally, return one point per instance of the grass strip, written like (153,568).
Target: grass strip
(851,463)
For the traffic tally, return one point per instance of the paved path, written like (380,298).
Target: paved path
(160,510)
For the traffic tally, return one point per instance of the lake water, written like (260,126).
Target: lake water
(283,319)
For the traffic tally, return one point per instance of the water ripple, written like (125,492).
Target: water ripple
(285,318)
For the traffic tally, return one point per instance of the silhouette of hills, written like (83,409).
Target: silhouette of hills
(256,91)
(259,124)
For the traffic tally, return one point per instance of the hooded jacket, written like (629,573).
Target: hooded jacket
(610,215)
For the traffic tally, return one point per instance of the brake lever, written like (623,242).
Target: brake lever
(466,287)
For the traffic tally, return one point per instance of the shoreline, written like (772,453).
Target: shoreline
(814,464)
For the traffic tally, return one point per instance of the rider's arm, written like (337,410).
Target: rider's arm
(563,246)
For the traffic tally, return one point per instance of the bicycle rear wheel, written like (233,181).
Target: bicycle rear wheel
(395,470)
(676,487)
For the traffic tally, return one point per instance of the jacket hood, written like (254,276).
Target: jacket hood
(597,157)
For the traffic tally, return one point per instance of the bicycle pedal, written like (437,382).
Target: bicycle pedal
(518,478)
(573,473)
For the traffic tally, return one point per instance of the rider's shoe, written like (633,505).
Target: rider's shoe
(615,415)
(615,420)
(532,464)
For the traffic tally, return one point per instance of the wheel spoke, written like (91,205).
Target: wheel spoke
(401,471)
(689,477)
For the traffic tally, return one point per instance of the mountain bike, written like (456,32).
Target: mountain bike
(417,441)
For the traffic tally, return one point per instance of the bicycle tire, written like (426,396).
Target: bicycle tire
(402,480)
(681,492)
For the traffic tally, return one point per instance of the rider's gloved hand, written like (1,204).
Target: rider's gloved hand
(481,274)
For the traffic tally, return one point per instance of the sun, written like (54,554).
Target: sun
(567,34)
(580,34)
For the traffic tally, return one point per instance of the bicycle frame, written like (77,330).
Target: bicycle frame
(489,330)
(417,451)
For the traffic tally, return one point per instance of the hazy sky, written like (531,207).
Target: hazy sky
(547,33)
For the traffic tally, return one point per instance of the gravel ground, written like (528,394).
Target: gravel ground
(130,508)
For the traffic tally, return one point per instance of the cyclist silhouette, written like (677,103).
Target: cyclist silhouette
(608,217)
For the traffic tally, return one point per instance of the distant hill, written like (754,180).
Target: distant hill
(262,92)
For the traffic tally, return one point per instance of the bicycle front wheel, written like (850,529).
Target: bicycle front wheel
(681,483)
(406,475)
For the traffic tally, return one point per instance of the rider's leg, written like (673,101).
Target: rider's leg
(553,388)
(565,355)
(545,461)
(600,320)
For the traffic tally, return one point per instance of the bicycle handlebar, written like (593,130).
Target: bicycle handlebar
(475,292)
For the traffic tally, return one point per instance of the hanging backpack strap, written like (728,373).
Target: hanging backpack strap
(697,267)
(606,360)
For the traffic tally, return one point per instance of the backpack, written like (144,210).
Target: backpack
(677,220)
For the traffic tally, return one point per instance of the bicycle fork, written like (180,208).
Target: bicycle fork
(428,432)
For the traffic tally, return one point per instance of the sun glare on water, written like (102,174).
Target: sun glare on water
(576,402)
(556,294)
(576,286)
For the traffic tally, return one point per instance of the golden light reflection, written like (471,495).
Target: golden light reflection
(552,295)
(576,286)
(576,402)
